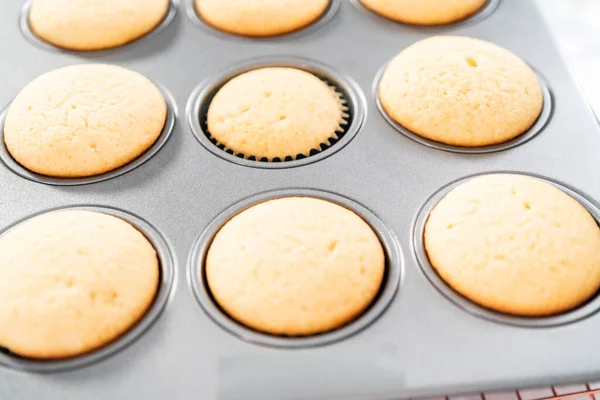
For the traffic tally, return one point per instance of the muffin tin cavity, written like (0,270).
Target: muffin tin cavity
(579,313)
(537,127)
(17,168)
(480,15)
(391,279)
(33,38)
(200,100)
(328,14)
(165,285)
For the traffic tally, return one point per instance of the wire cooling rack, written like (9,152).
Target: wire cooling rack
(588,391)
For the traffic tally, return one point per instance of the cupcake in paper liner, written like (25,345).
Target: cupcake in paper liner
(276,113)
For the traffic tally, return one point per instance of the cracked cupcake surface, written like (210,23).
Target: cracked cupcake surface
(84,120)
(461,91)
(295,266)
(88,25)
(72,281)
(515,244)
(275,112)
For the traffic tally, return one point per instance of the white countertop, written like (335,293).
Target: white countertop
(576,25)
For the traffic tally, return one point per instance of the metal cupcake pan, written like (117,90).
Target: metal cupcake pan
(391,280)
(414,340)
(33,38)
(536,128)
(480,15)
(590,307)
(17,168)
(199,102)
(196,19)
(165,285)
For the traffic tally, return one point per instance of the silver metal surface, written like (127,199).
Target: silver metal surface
(33,38)
(393,273)
(17,168)
(480,15)
(196,19)
(585,310)
(199,102)
(533,130)
(167,277)
(422,344)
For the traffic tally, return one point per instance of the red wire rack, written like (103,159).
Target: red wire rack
(589,391)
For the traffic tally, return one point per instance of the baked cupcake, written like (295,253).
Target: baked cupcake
(425,12)
(72,281)
(87,25)
(260,18)
(516,245)
(295,266)
(84,120)
(275,112)
(461,91)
